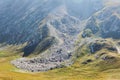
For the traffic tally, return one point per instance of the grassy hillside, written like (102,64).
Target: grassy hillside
(95,70)
(39,26)
(101,65)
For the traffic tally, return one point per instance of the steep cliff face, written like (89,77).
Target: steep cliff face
(30,22)
(20,21)
(105,23)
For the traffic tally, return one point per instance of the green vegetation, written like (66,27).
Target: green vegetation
(97,69)
(88,33)
(45,44)
(75,72)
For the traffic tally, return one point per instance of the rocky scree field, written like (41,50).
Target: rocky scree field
(61,41)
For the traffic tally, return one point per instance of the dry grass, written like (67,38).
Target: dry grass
(74,72)
(96,70)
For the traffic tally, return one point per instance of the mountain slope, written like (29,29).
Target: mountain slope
(105,22)
(50,28)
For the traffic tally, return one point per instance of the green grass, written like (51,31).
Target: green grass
(96,70)
(77,71)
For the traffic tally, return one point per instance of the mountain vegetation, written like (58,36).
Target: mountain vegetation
(59,39)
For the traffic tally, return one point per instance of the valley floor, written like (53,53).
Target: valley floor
(75,72)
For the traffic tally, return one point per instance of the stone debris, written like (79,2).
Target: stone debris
(56,59)
(35,65)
